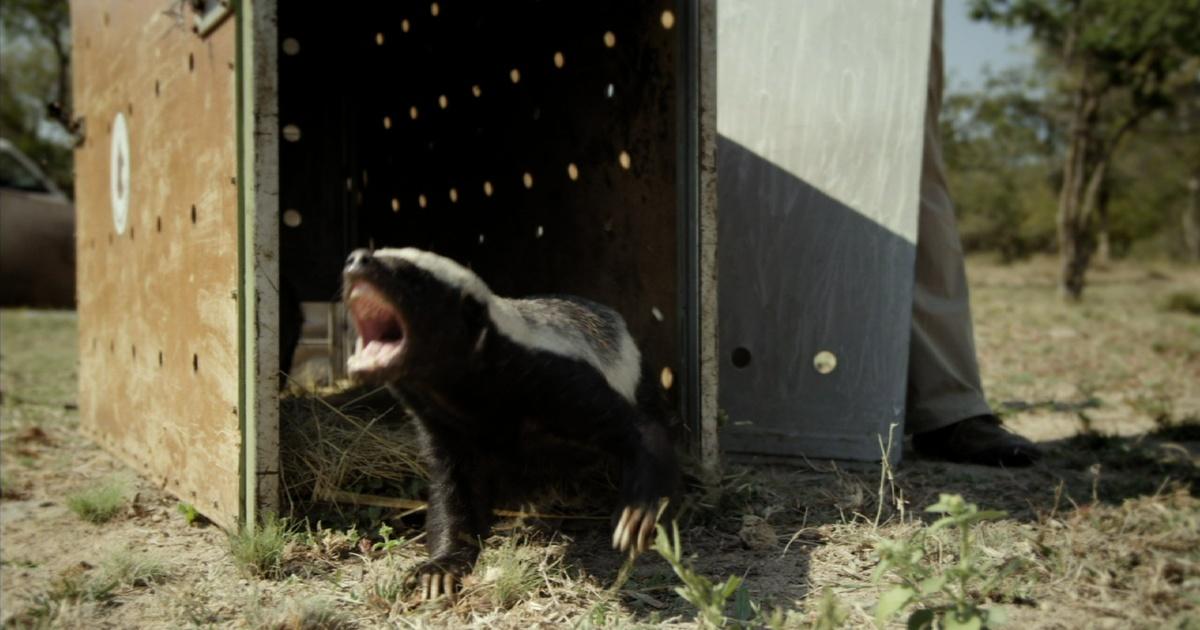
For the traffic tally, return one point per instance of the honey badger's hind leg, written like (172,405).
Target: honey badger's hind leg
(459,512)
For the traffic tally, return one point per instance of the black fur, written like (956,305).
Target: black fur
(482,402)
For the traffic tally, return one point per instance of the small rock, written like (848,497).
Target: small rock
(756,533)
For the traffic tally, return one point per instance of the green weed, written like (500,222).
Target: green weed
(923,586)
(709,599)
(1183,302)
(512,572)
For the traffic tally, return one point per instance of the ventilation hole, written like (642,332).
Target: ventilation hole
(193,214)
(740,358)
(160,362)
(195,363)
(131,231)
(130,109)
(559,60)
(477,91)
(825,362)
(133,351)
(191,62)
(658,315)
(291,46)
(412,112)
(378,39)
(156,89)
(666,378)
(421,201)
(514,75)
(292,218)
(481,239)
(404,25)
(527,178)
(434,10)
(387,122)
(395,205)
(158,224)
(610,90)
(540,232)
(110,238)
(487,189)
(573,171)
(624,160)
(668,19)
(112,345)
(610,39)
(106,18)
(291,133)
(443,102)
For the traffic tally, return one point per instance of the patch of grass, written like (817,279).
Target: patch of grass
(129,569)
(1183,302)
(260,550)
(309,615)
(99,503)
(511,572)
(190,514)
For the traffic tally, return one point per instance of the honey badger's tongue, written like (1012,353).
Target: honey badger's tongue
(380,330)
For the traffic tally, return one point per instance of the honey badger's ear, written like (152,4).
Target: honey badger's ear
(475,317)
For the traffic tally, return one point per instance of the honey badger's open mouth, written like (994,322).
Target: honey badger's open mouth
(381,330)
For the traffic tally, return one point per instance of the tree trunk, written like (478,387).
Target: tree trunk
(1074,247)
(1103,247)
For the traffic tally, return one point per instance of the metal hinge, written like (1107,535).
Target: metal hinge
(210,14)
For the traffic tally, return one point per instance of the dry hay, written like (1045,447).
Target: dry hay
(358,446)
(357,441)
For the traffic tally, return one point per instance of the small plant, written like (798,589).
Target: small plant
(830,614)
(921,584)
(259,550)
(191,515)
(1183,302)
(708,598)
(387,544)
(98,504)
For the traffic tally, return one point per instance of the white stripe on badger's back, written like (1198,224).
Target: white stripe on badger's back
(559,325)
(531,322)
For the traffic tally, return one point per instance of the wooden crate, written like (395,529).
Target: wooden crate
(225,157)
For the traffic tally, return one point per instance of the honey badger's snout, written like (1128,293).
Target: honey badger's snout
(358,262)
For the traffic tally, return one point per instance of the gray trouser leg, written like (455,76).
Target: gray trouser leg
(943,373)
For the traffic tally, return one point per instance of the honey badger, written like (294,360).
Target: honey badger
(479,372)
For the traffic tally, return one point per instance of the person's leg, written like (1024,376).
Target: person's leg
(947,410)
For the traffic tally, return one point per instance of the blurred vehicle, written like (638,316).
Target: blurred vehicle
(37,235)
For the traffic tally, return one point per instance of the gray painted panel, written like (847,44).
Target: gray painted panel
(820,110)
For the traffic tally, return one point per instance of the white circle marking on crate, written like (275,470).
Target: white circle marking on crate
(118,178)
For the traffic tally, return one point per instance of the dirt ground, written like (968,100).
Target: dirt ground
(1104,533)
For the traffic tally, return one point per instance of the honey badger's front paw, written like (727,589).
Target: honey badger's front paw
(440,576)
(635,528)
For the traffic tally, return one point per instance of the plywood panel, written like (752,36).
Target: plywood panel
(158,300)
(819,110)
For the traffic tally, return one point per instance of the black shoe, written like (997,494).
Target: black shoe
(979,440)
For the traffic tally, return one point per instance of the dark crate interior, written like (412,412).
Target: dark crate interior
(536,142)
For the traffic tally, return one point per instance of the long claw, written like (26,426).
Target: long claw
(616,537)
(627,532)
(648,522)
(425,587)
(435,587)
(448,586)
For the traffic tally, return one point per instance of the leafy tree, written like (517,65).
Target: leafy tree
(35,72)
(1114,64)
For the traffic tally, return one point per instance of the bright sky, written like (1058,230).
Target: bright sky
(971,47)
